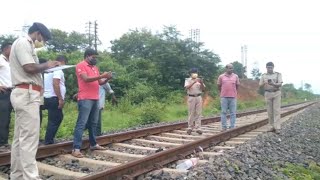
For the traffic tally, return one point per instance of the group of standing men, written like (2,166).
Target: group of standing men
(21,89)
(22,86)
(228,84)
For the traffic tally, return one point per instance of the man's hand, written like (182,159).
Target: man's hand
(52,64)
(271,83)
(75,97)
(3,89)
(200,80)
(61,104)
(107,75)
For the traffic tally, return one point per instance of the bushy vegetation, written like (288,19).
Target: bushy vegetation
(150,72)
(309,171)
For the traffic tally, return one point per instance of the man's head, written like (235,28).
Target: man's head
(6,48)
(229,68)
(194,73)
(39,33)
(270,67)
(62,59)
(90,56)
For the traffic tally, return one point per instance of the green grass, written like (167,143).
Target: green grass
(117,118)
(299,172)
(175,112)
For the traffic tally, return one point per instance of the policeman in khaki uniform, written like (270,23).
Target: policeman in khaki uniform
(25,99)
(194,87)
(272,82)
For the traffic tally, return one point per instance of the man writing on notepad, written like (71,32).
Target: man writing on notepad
(25,99)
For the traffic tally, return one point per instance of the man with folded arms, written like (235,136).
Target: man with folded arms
(25,99)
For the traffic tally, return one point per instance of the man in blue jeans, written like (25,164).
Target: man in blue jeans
(228,84)
(89,80)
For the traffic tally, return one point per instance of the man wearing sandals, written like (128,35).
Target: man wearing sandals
(25,99)
(194,87)
(89,80)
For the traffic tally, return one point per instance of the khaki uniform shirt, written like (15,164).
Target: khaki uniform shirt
(22,53)
(275,77)
(195,89)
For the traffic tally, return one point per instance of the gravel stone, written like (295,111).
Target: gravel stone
(261,158)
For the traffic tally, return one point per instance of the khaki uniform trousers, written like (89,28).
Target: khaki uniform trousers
(273,100)
(26,103)
(195,110)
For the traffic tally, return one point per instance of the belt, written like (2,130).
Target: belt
(271,90)
(26,86)
(194,95)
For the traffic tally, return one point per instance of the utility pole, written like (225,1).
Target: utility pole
(89,33)
(195,36)
(242,55)
(244,60)
(95,35)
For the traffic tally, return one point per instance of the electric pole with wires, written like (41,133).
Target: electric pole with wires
(88,30)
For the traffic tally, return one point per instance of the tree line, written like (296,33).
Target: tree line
(147,65)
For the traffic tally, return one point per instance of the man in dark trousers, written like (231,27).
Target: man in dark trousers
(5,91)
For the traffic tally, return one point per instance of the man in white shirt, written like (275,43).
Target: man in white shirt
(54,95)
(103,89)
(5,91)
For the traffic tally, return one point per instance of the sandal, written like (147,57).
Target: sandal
(189,131)
(76,153)
(199,132)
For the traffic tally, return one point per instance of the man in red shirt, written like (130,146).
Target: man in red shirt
(89,80)
(228,83)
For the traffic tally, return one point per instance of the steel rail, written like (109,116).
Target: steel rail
(66,147)
(135,168)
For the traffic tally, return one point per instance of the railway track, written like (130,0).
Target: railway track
(137,152)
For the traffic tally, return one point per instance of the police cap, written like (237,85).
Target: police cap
(193,70)
(270,64)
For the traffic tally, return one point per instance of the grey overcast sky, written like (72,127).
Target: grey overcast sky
(286,32)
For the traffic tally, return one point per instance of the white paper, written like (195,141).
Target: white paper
(59,68)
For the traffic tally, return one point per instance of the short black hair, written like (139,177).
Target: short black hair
(44,31)
(5,45)
(90,52)
(270,64)
(62,58)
